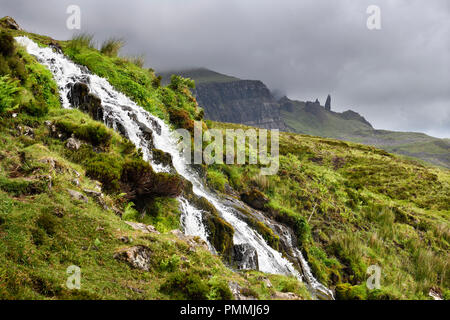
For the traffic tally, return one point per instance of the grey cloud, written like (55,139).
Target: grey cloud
(397,77)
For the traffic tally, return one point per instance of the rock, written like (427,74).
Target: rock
(73,144)
(328,103)
(9,23)
(162,158)
(142,227)
(80,97)
(435,295)
(138,257)
(286,296)
(98,197)
(255,199)
(192,241)
(54,164)
(125,239)
(26,131)
(77,195)
(249,102)
(245,257)
(76,182)
(237,292)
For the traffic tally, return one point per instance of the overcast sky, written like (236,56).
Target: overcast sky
(397,77)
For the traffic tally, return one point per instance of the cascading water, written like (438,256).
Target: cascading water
(120,112)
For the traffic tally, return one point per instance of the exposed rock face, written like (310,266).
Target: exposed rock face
(77,195)
(245,257)
(238,293)
(247,102)
(138,257)
(9,23)
(80,97)
(328,103)
(142,227)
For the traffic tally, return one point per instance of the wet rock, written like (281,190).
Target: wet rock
(162,158)
(138,257)
(255,199)
(77,195)
(80,97)
(9,23)
(245,257)
(142,227)
(73,143)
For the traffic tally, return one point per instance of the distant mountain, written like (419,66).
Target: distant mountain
(229,99)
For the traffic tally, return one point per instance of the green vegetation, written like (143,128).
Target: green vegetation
(352,206)
(44,229)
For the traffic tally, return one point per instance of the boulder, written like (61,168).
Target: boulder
(138,257)
(255,199)
(245,257)
(73,144)
(77,195)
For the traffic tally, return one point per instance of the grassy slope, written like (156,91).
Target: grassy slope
(200,75)
(332,125)
(362,206)
(43,230)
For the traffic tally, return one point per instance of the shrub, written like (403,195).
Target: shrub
(170,264)
(112,46)
(8,89)
(185,285)
(7,44)
(180,119)
(106,168)
(219,290)
(139,182)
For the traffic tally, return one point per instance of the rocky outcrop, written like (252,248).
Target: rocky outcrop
(247,102)
(245,257)
(80,97)
(328,103)
(9,23)
(138,257)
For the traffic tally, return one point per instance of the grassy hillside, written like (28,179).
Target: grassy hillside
(350,205)
(353,206)
(52,214)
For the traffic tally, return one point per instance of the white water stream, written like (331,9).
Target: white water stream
(121,111)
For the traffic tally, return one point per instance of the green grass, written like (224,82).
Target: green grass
(357,206)
(43,230)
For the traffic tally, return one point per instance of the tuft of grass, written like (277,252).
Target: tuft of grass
(112,46)
(82,40)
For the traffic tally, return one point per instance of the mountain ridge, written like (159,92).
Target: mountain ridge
(226,98)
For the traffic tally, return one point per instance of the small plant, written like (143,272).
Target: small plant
(8,90)
(82,40)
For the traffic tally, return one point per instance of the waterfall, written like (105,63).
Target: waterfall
(121,112)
